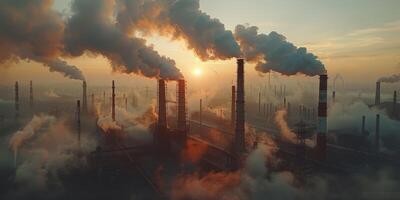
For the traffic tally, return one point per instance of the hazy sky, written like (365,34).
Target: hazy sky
(357,38)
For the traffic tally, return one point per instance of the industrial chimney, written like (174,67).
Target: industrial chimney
(181,98)
(113,101)
(31,94)
(377,132)
(378,93)
(322,117)
(162,107)
(233,106)
(78,121)
(334,96)
(239,143)
(16,100)
(84,97)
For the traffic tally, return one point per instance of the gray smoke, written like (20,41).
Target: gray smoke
(91,28)
(30,30)
(390,79)
(180,19)
(273,52)
(337,77)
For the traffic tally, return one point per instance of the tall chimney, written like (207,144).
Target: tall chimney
(113,101)
(104,97)
(259,102)
(84,97)
(395,103)
(334,96)
(239,143)
(322,117)
(233,106)
(126,103)
(363,125)
(78,121)
(181,98)
(16,100)
(377,132)
(31,94)
(378,93)
(162,107)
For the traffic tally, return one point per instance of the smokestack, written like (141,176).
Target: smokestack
(240,112)
(378,93)
(334,96)
(395,103)
(162,107)
(126,103)
(16,100)
(113,101)
(233,106)
(104,97)
(31,94)
(363,125)
(78,121)
(84,97)
(322,117)
(182,122)
(377,132)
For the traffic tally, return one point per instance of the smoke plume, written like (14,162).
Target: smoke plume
(91,28)
(273,52)
(31,30)
(180,19)
(390,79)
(337,77)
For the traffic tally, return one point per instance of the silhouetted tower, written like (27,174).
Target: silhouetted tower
(377,133)
(239,143)
(30,94)
(233,106)
(322,117)
(378,93)
(113,101)
(78,121)
(181,98)
(104,97)
(16,100)
(162,105)
(333,96)
(126,102)
(259,102)
(84,97)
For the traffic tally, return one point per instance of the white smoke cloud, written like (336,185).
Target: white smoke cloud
(273,52)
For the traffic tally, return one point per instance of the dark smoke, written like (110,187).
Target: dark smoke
(273,52)
(30,30)
(91,29)
(390,79)
(180,19)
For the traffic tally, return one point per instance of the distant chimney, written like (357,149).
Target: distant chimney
(16,100)
(126,103)
(378,93)
(181,98)
(322,117)
(31,94)
(233,106)
(239,142)
(363,125)
(162,105)
(395,103)
(78,121)
(377,132)
(84,97)
(333,96)
(113,101)
(259,102)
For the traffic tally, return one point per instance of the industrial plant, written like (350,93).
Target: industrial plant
(256,118)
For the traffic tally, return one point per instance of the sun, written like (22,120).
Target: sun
(197,72)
